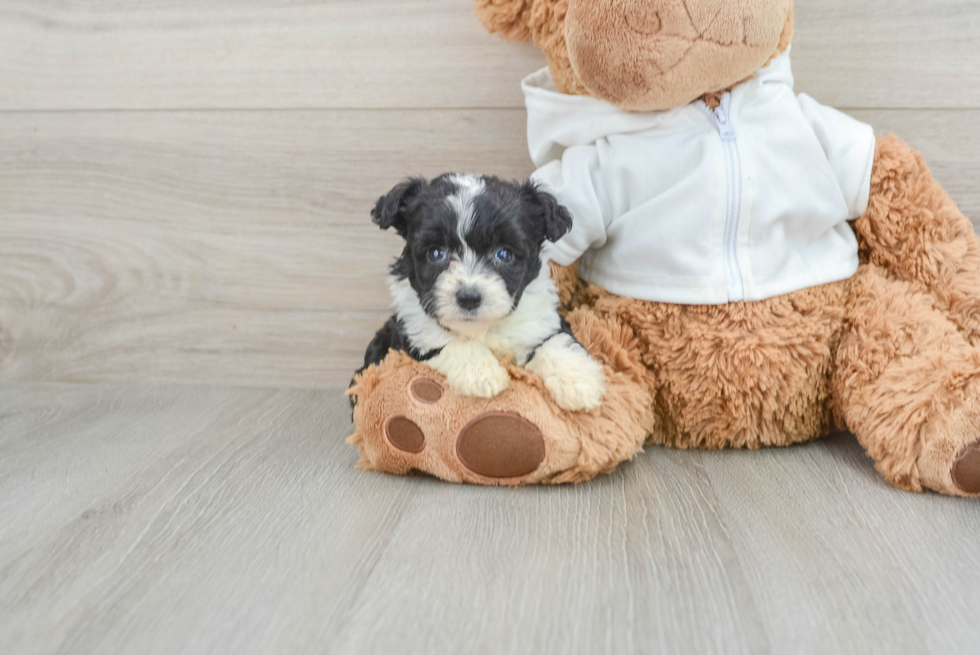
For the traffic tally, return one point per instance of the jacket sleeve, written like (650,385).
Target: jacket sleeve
(850,148)
(576,182)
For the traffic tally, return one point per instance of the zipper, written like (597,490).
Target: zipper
(733,165)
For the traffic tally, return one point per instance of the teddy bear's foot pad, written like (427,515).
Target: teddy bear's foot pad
(426,391)
(404,434)
(966,469)
(500,445)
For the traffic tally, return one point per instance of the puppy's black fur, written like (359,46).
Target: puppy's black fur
(392,337)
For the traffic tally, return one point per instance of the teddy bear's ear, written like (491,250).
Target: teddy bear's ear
(543,209)
(390,210)
(509,19)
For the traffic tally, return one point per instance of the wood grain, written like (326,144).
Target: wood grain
(236,247)
(888,53)
(212,247)
(203,520)
(184,54)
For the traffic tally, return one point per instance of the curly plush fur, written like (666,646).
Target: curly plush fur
(892,354)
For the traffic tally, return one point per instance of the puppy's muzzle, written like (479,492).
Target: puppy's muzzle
(469,299)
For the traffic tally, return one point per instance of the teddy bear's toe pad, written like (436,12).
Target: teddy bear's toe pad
(966,469)
(404,434)
(426,391)
(500,445)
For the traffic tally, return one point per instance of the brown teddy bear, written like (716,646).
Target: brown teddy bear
(851,300)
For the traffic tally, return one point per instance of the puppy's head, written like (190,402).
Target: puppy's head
(473,243)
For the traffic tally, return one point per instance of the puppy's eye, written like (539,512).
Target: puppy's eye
(436,255)
(504,255)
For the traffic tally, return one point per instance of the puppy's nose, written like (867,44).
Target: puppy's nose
(468,299)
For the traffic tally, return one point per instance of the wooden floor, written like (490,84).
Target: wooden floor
(214,520)
(184,198)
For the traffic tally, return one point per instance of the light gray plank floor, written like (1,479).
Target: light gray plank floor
(140,519)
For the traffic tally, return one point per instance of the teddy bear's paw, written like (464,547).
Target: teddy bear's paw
(966,469)
(471,370)
(407,418)
(572,377)
(495,445)
(948,460)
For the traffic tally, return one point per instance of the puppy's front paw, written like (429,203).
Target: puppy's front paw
(471,369)
(573,378)
(581,393)
(483,380)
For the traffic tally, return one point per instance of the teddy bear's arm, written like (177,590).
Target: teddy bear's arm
(850,148)
(574,180)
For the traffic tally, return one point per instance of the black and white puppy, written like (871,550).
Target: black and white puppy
(471,284)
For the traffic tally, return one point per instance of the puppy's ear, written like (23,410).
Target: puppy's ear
(544,209)
(390,210)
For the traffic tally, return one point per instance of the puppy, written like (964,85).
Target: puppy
(471,284)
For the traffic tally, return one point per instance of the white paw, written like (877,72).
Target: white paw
(483,380)
(583,393)
(471,369)
(573,378)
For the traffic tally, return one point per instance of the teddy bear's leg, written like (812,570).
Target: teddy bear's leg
(908,385)
(407,418)
(915,232)
(742,375)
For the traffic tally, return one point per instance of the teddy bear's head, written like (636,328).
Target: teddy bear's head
(644,55)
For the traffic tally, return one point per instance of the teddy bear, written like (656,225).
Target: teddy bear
(792,273)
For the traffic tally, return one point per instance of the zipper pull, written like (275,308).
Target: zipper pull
(725,127)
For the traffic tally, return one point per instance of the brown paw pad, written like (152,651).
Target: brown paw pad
(500,445)
(404,435)
(966,469)
(426,391)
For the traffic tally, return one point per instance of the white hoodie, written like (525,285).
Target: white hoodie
(694,206)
